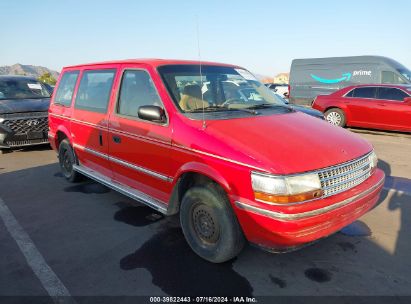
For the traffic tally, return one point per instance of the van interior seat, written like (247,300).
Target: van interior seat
(192,99)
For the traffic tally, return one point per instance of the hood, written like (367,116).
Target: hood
(8,106)
(280,144)
(308,111)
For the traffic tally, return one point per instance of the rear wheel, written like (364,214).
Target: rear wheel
(67,160)
(335,117)
(209,224)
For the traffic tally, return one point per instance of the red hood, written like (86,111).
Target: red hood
(281,144)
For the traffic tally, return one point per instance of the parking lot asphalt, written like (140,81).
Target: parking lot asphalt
(87,240)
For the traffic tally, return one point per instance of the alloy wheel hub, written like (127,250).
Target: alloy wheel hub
(334,118)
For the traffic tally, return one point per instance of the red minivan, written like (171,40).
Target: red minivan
(210,142)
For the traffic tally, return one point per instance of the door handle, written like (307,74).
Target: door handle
(117,139)
(100,138)
(382,104)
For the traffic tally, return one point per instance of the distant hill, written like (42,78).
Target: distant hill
(27,70)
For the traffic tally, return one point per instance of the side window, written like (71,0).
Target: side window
(137,89)
(391,94)
(366,92)
(391,78)
(94,90)
(350,94)
(65,89)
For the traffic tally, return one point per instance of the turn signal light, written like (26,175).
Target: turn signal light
(287,199)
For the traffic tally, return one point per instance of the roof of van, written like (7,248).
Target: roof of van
(351,59)
(153,62)
(388,85)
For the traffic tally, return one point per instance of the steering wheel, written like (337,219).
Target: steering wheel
(232,100)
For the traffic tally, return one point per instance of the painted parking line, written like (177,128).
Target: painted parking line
(51,283)
(400,185)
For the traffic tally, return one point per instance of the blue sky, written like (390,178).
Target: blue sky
(263,36)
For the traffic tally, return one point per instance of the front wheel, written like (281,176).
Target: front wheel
(335,117)
(209,224)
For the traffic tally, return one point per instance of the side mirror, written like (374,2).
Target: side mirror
(407,100)
(152,113)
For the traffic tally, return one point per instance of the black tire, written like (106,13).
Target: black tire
(335,117)
(67,159)
(209,224)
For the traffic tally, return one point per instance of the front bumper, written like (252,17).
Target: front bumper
(278,228)
(21,141)
(19,130)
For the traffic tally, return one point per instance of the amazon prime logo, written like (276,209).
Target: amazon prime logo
(361,73)
(345,77)
(32,122)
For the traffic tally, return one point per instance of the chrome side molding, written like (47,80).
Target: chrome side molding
(140,169)
(124,163)
(123,189)
(91,151)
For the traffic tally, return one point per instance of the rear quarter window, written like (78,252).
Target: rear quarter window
(391,94)
(350,94)
(94,90)
(66,87)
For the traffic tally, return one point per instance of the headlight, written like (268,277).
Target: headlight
(285,189)
(373,160)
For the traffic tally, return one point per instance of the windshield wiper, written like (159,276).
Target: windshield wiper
(220,108)
(207,109)
(268,105)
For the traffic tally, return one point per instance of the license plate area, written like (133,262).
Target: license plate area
(35,135)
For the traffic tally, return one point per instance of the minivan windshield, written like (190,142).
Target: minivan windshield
(22,88)
(215,88)
(406,73)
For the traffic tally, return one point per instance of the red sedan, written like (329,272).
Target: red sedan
(386,107)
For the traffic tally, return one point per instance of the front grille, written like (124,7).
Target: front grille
(23,123)
(345,176)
